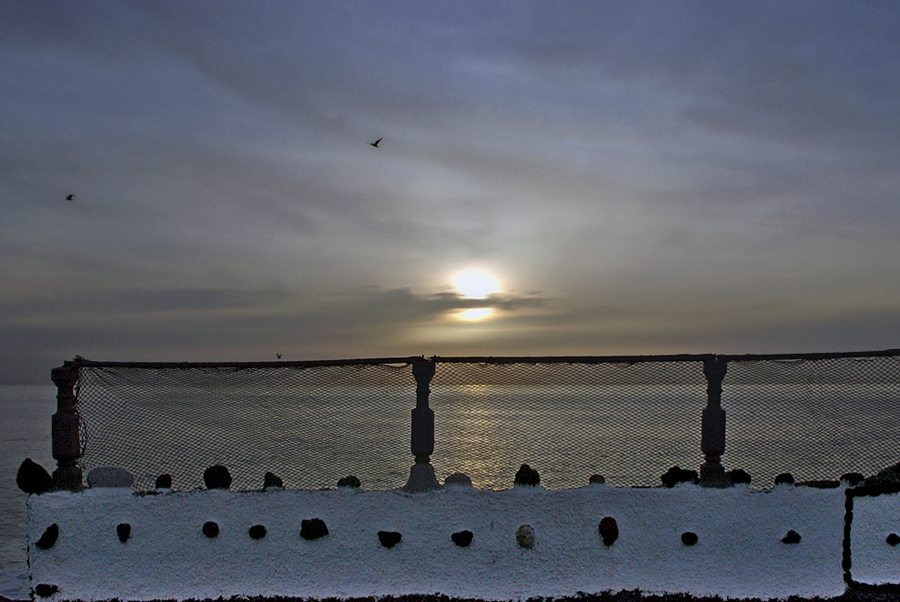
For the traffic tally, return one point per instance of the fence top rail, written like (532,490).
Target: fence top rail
(80,362)
(809,356)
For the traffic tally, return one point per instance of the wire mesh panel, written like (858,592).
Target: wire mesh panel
(308,425)
(815,418)
(629,419)
(629,422)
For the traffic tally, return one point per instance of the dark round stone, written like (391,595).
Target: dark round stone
(349,481)
(32,478)
(676,475)
(389,538)
(892,539)
(689,538)
(853,478)
(739,477)
(608,530)
(210,529)
(163,481)
(270,479)
(784,478)
(217,477)
(123,530)
(48,538)
(257,532)
(45,589)
(313,528)
(462,538)
(791,537)
(596,479)
(527,476)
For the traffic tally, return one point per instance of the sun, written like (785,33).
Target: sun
(475,284)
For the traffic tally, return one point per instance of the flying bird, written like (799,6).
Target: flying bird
(375,144)
(70,197)
(279,355)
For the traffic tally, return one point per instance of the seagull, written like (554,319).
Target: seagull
(279,355)
(70,197)
(375,144)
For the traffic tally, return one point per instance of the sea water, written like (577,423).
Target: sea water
(25,413)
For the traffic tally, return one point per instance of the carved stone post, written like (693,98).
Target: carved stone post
(421,475)
(712,441)
(66,438)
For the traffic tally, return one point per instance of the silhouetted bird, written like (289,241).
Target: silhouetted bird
(70,197)
(375,144)
(279,355)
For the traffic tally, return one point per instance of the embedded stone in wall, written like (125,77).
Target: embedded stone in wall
(163,481)
(217,477)
(210,529)
(458,479)
(738,477)
(462,538)
(784,478)
(32,478)
(48,538)
(45,590)
(689,539)
(257,532)
(525,537)
(889,478)
(270,479)
(123,530)
(677,475)
(109,476)
(313,528)
(526,476)
(389,539)
(349,481)
(853,478)
(820,484)
(608,530)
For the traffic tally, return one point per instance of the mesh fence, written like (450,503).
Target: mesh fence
(629,419)
(815,418)
(308,425)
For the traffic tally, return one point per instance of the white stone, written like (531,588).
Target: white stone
(109,476)
(458,479)
(525,536)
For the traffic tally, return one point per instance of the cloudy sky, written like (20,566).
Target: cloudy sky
(619,177)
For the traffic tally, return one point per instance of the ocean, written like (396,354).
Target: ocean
(25,413)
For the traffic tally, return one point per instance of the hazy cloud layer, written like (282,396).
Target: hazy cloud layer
(640,177)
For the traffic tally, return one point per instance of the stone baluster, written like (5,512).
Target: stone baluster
(66,437)
(712,441)
(421,475)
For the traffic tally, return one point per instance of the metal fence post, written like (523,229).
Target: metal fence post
(66,438)
(421,475)
(712,439)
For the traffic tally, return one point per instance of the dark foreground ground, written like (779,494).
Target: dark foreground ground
(623,596)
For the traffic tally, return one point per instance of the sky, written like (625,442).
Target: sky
(618,177)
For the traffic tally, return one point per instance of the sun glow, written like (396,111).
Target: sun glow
(475,284)
(476,313)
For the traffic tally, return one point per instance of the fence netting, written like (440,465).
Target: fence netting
(626,420)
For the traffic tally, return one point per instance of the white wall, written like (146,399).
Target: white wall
(739,553)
